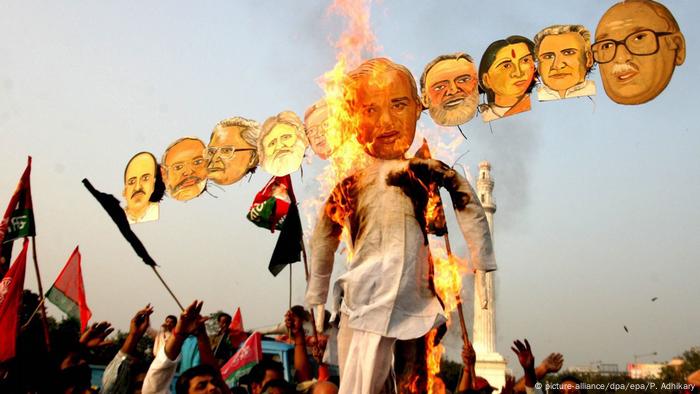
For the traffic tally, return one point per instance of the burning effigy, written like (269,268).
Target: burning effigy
(387,298)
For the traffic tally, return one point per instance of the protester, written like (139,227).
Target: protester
(162,369)
(201,379)
(262,373)
(527,361)
(120,375)
(160,337)
(221,341)
(551,364)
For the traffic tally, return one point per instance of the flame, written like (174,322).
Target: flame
(356,43)
(433,355)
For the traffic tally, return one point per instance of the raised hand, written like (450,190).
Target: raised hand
(510,384)
(524,353)
(141,321)
(527,361)
(190,319)
(468,355)
(553,362)
(95,335)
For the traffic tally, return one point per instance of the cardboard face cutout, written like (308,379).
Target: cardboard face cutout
(507,75)
(388,108)
(184,168)
(316,125)
(282,143)
(449,89)
(232,151)
(143,188)
(564,58)
(638,46)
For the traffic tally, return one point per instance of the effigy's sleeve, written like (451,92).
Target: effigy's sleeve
(472,223)
(324,242)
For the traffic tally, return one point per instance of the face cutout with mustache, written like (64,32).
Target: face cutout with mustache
(646,28)
(283,150)
(139,184)
(450,91)
(185,169)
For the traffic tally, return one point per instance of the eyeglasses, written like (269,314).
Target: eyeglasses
(195,164)
(225,152)
(641,43)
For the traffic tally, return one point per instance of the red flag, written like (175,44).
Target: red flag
(236,332)
(244,360)
(18,220)
(68,292)
(10,302)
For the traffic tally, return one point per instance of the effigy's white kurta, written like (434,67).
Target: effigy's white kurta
(386,287)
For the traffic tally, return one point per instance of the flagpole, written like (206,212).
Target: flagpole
(167,288)
(306,270)
(45,322)
(41,302)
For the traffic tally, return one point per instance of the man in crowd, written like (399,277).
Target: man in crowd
(161,337)
(220,342)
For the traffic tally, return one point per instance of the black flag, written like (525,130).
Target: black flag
(288,247)
(115,211)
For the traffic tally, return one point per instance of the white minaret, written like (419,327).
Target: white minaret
(490,364)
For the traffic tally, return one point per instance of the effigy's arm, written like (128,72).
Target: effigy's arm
(470,214)
(324,242)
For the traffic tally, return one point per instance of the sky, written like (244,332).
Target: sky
(597,207)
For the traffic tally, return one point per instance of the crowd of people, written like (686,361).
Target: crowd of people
(186,358)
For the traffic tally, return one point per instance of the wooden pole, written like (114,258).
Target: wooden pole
(167,288)
(462,323)
(44,321)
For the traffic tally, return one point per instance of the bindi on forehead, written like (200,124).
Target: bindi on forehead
(512,53)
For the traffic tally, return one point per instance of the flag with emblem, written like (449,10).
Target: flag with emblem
(243,361)
(18,220)
(11,288)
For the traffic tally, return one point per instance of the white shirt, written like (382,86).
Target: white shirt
(585,88)
(386,287)
(152,213)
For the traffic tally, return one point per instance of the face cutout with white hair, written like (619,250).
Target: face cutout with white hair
(282,143)
(564,58)
(232,150)
(449,89)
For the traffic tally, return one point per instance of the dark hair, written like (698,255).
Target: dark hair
(183,382)
(490,56)
(257,374)
(282,384)
(159,186)
(218,317)
(171,317)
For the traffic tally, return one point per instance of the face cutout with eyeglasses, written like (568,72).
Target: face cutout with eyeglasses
(229,156)
(638,46)
(641,43)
